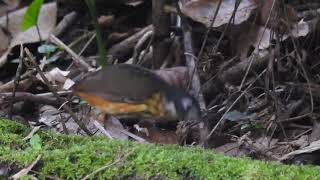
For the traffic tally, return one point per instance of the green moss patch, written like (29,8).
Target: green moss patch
(73,157)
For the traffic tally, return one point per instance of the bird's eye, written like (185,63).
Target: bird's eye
(186,103)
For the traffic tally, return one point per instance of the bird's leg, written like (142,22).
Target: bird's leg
(182,131)
(203,132)
(103,119)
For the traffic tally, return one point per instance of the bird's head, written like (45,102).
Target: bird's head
(181,106)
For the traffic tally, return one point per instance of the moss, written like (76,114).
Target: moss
(73,157)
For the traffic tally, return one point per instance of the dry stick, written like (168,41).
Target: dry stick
(243,93)
(43,98)
(148,50)
(125,47)
(65,107)
(65,23)
(74,56)
(9,85)
(88,43)
(61,93)
(25,96)
(139,46)
(16,81)
(33,131)
(73,43)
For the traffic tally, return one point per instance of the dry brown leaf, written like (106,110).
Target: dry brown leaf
(272,14)
(203,11)
(246,35)
(68,84)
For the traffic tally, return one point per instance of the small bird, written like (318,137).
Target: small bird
(125,89)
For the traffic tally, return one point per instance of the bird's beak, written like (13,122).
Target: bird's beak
(193,114)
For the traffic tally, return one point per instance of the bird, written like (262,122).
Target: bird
(131,90)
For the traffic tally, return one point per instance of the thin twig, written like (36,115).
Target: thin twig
(65,23)
(33,131)
(87,43)
(39,32)
(9,85)
(16,81)
(255,52)
(74,56)
(26,170)
(45,98)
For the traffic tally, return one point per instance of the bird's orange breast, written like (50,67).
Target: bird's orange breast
(153,105)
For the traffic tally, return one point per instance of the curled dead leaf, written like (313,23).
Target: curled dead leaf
(55,75)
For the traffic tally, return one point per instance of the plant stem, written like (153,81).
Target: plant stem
(100,41)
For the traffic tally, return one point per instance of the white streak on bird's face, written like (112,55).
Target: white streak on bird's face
(190,108)
(186,103)
(171,109)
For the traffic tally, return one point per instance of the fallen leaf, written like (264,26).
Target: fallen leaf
(46,23)
(203,11)
(68,84)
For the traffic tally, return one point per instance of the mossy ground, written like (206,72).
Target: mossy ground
(73,157)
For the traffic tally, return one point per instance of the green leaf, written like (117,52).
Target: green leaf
(47,48)
(83,102)
(237,116)
(30,18)
(35,142)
